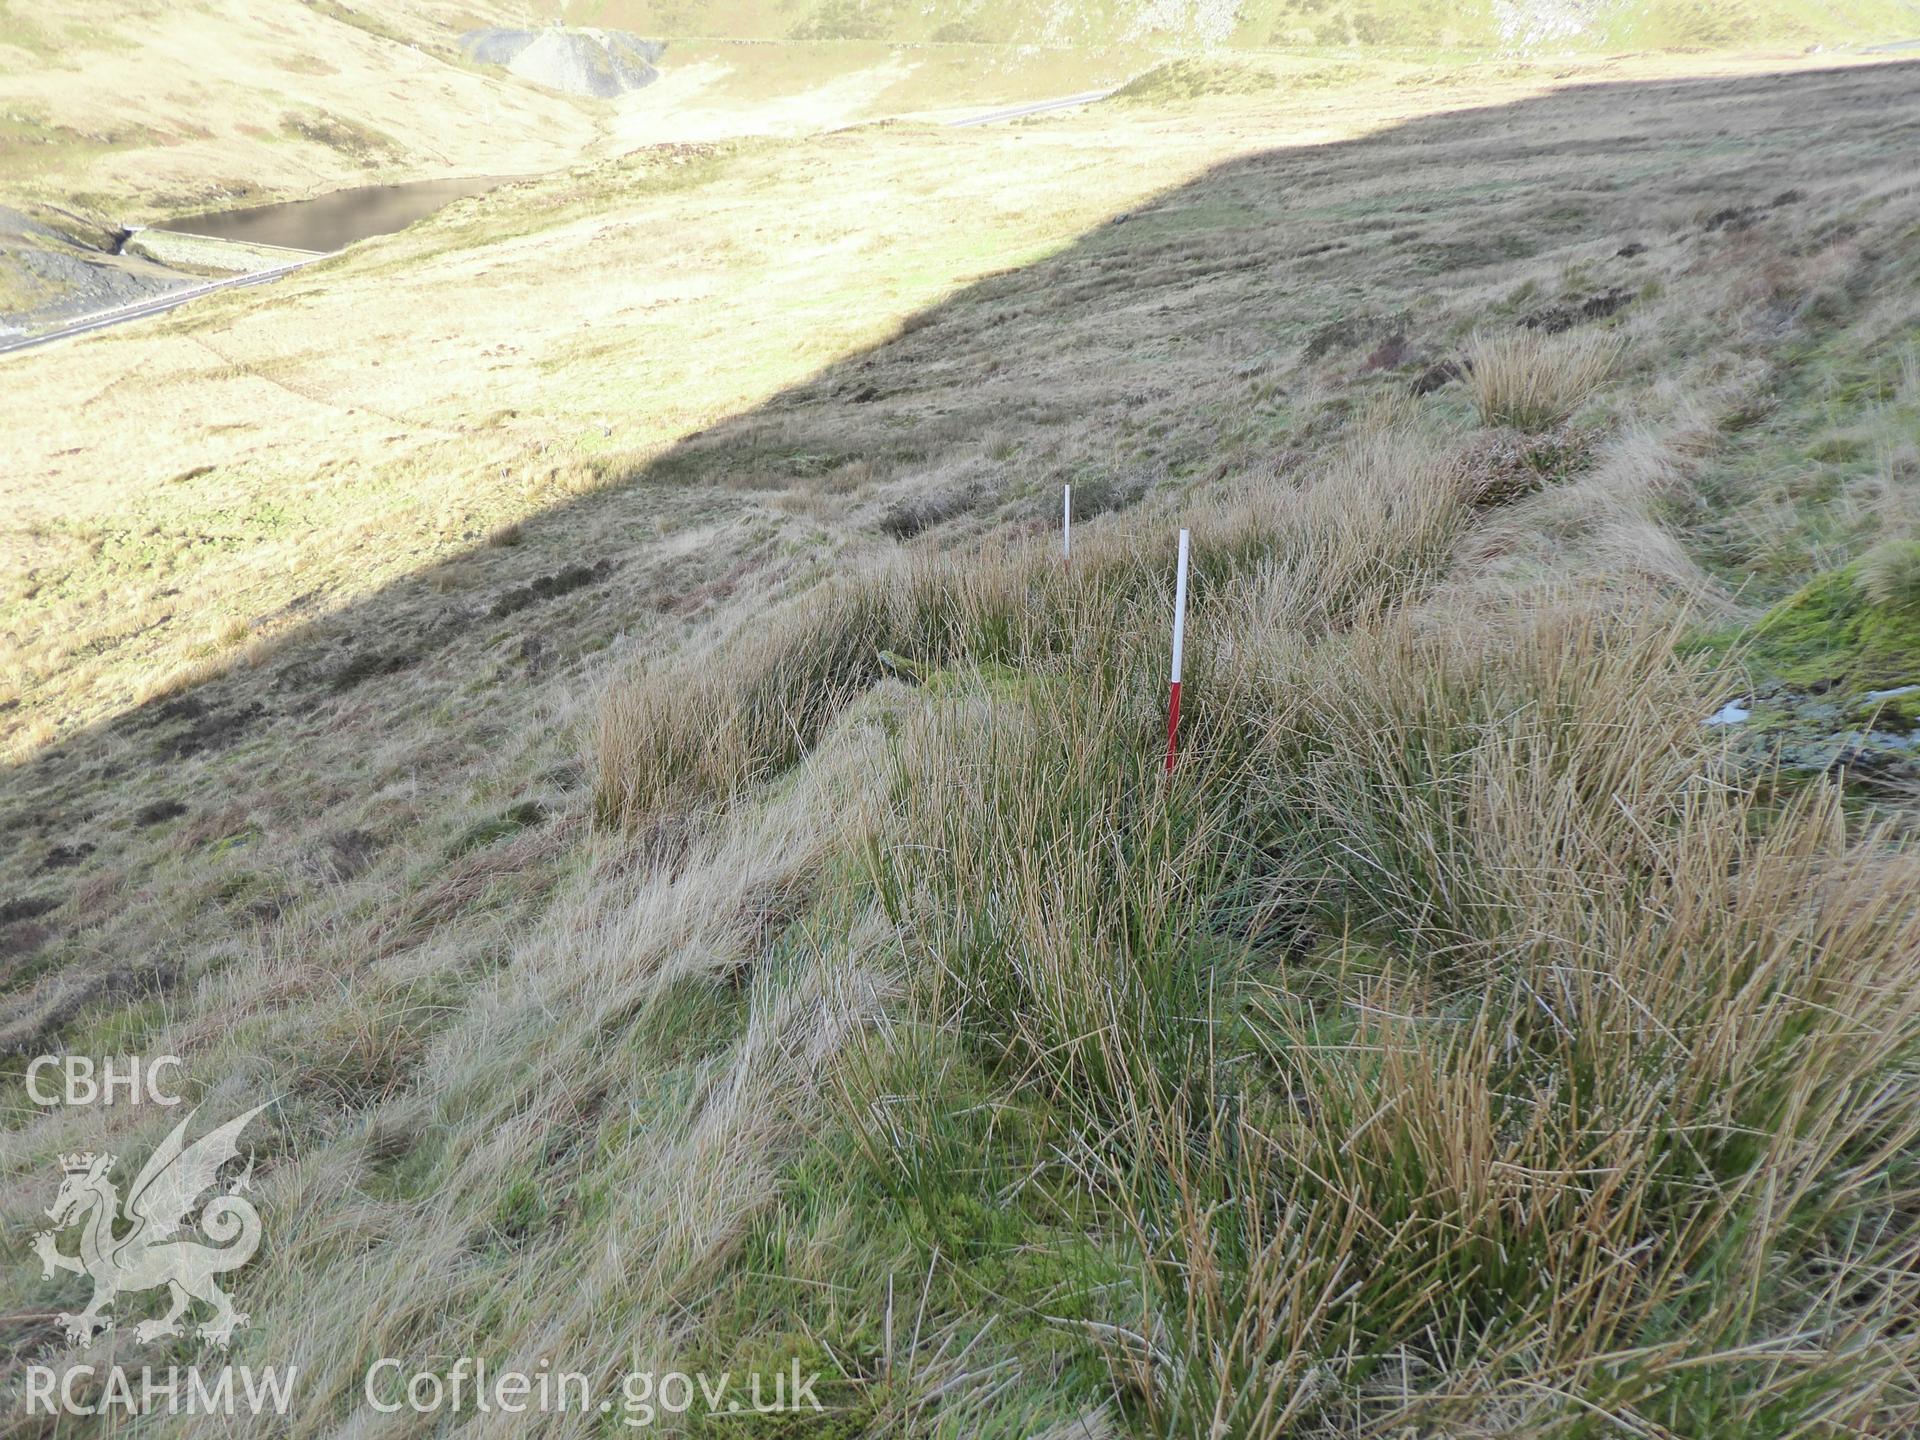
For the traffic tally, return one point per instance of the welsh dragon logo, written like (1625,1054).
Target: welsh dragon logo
(148,1254)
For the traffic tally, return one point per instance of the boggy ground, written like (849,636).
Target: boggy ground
(1473,1039)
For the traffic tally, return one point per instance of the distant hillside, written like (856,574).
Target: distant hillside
(141,108)
(1497,24)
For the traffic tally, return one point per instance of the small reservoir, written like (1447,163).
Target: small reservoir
(333,221)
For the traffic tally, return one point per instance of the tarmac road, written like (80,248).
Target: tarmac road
(159,304)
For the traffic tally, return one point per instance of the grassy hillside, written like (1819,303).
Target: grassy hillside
(581,702)
(1506,24)
(146,109)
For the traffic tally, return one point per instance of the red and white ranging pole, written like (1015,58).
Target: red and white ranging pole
(1066,524)
(1179,646)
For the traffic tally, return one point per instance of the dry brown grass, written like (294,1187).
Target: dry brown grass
(1532,380)
(1383,515)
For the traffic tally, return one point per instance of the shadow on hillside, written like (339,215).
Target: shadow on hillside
(1337,255)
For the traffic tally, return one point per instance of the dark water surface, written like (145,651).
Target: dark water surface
(329,222)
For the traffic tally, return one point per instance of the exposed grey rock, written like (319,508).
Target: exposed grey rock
(66,267)
(601,63)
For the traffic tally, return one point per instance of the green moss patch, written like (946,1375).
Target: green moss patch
(1831,663)
(1830,636)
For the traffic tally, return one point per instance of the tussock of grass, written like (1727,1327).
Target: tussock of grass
(182,678)
(1384,512)
(1890,574)
(1532,380)
(709,730)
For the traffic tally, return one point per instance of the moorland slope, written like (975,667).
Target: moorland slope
(594,721)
